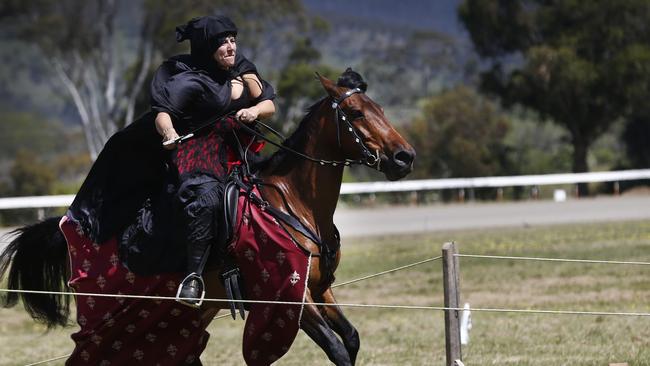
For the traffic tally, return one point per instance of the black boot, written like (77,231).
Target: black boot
(191,290)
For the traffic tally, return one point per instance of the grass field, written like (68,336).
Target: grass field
(416,337)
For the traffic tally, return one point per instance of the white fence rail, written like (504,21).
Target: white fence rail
(402,186)
(485,182)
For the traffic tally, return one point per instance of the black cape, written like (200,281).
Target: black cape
(133,165)
(126,172)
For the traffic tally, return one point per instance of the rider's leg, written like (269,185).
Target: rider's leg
(201,207)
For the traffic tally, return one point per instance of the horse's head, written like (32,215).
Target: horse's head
(364,131)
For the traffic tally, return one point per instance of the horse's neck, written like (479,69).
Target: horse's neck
(310,189)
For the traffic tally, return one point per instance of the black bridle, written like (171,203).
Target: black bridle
(369,159)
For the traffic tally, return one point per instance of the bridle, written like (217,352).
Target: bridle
(369,159)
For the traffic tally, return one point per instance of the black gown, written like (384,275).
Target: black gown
(156,201)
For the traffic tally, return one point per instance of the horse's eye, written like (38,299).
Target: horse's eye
(355,115)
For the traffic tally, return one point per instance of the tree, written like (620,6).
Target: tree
(459,134)
(572,61)
(103,51)
(636,136)
(297,87)
(404,66)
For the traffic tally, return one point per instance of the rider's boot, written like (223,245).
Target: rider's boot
(191,291)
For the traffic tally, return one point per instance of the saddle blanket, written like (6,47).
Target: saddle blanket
(274,268)
(127,331)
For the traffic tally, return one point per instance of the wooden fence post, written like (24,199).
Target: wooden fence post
(450,270)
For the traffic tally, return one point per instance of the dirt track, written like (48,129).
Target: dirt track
(412,219)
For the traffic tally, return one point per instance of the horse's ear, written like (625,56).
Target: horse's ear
(329,86)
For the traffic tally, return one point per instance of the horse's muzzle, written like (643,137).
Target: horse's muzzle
(399,165)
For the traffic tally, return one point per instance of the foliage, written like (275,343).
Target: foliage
(298,87)
(27,131)
(30,176)
(580,63)
(459,134)
(402,68)
(637,135)
(536,147)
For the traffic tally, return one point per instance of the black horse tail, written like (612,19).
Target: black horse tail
(36,260)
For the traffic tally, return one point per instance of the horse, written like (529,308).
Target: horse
(302,180)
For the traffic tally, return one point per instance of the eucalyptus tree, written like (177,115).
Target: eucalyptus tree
(579,63)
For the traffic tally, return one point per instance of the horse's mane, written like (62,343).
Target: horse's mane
(295,141)
(349,79)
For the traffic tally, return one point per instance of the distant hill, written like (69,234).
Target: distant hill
(433,15)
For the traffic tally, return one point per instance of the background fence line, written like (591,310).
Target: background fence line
(400,186)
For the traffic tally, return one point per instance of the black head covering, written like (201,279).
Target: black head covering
(206,34)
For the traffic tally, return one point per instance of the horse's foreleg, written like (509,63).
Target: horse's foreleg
(341,325)
(320,332)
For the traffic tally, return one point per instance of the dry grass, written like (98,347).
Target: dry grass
(416,337)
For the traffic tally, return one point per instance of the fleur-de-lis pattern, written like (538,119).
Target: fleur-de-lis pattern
(126,331)
(122,331)
(277,270)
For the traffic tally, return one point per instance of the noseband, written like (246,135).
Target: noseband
(370,159)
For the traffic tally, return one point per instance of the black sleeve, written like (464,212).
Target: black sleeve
(174,93)
(244,66)
(268,93)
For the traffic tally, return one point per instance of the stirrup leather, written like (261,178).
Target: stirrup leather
(185,301)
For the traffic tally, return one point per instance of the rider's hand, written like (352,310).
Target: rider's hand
(169,135)
(247,114)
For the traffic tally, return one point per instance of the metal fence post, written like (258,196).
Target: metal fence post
(450,270)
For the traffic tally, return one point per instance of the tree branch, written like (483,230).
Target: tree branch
(79,104)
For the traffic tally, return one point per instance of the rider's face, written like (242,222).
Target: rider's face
(225,54)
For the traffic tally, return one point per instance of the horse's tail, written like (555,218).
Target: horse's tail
(36,259)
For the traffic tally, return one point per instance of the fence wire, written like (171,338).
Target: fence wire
(551,259)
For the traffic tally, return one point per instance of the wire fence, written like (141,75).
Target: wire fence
(391,306)
(566,260)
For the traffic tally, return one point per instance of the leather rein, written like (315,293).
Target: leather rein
(369,159)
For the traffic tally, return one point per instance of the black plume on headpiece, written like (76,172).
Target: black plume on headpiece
(206,34)
(352,79)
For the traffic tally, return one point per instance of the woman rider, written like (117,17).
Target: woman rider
(214,80)
(171,196)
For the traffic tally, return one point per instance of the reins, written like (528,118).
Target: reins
(370,159)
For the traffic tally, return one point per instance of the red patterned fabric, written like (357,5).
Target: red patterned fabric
(121,331)
(202,152)
(273,268)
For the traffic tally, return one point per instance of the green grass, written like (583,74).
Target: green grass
(416,337)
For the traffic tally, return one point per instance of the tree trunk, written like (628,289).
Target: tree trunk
(580,149)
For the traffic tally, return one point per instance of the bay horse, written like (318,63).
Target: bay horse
(302,179)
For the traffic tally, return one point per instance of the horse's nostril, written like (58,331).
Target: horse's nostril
(403,157)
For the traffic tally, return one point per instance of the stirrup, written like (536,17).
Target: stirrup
(186,301)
